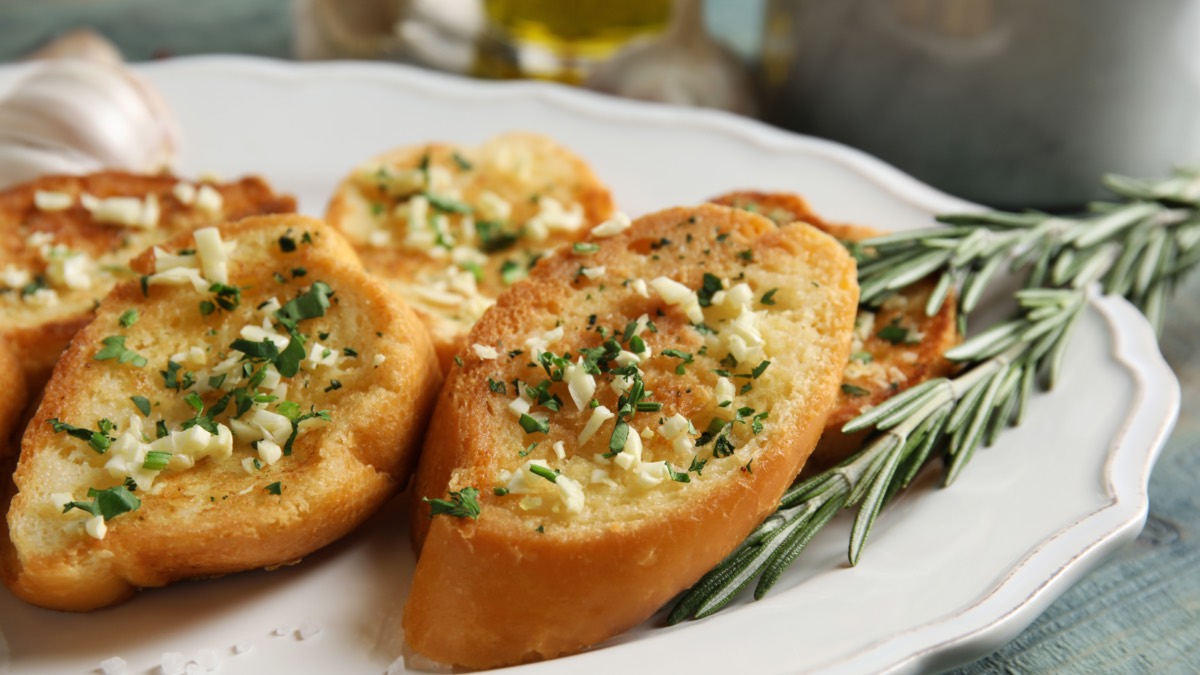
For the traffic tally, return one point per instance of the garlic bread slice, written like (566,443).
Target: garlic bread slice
(66,240)
(896,345)
(451,227)
(252,396)
(13,398)
(621,421)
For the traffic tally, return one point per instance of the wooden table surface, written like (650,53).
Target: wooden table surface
(1137,613)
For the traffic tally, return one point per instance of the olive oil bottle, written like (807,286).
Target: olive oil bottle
(561,40)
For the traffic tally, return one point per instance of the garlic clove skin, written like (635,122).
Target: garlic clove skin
(20,163)
(93,114)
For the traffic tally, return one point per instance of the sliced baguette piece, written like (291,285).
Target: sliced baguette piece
(13,397)
(236,499)
(66,240)
(549,568)
(486,215)
(896,345)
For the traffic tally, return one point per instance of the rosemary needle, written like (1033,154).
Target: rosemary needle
(1137,249)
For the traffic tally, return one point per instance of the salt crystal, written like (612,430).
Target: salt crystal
(207,659)
(308,629)
(242,647)
(193,669)
(281,631)
(396,667)
(114,666)
(172,663)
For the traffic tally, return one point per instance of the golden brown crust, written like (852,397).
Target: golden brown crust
(13,395)
(217,517)
(39,334)
(523,582)
(879,368)
(522,169)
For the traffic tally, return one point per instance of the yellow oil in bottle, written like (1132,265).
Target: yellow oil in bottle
(561,40)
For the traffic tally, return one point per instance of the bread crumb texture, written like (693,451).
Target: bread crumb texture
(895,346)
(636,423)
(451,227)
(249,396)
(67,240)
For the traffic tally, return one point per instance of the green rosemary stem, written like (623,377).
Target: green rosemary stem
(1137,249)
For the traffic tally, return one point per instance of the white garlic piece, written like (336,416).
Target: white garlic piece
(74,115)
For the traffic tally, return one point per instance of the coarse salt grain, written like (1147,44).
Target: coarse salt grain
(193,669)
(242,647)
(114,666)
(396,667)
(281,631)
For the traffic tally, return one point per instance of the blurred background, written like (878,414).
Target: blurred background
(1012,103)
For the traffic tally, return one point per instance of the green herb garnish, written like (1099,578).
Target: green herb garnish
(462,504)
(114,349)
(108,503)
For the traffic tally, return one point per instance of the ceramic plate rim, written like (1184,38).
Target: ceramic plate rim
(1053,564)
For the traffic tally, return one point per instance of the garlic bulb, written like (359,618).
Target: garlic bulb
(73,115)
(684,66)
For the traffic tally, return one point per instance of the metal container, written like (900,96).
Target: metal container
(1012,103)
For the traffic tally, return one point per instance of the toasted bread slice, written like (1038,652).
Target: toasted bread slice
(572,546)
(896,346)
(487,214)
(58,257)
(13,396)
(261,477)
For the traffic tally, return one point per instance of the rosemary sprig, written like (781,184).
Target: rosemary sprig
(1137,249)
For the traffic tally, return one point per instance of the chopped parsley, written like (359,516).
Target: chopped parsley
(533,425)
(462,162)
(334,385)
(275,488)
(207,308)
(171,375)
(98,440)
(493,237)
(108,503)
(114,348)
(768,298)
(129,317)
(497,386)
(511,272)
(759,369)
(544,472)
(711,285)
(462,504)
(287,244)
(678,476)
(142,403)
(862,357)
(34,286)
(585,248)
(499,491)
(852,390)
(893,332)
